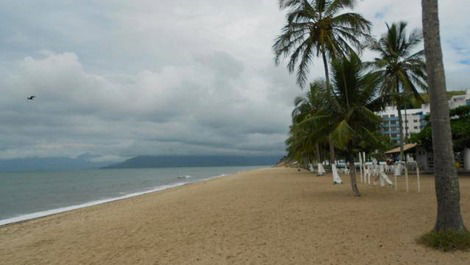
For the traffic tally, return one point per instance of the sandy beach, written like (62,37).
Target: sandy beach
(267,216)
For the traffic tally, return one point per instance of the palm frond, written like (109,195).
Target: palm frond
(342,134)
(315,28)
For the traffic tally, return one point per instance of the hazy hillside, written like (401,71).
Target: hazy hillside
(49,163)
(425,96)
(195,161)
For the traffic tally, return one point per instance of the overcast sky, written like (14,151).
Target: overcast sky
(116,78)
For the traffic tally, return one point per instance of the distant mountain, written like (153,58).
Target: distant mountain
(195,161)
(50,163)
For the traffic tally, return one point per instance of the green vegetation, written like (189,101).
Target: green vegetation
(344,111)
(446,241)
(460,124)
(319,28)
(450,94)
(302,143)
(414,103)
(401,68)
(340,113)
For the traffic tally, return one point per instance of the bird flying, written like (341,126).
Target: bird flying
(31,97)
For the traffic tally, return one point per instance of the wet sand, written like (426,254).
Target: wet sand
(267,216)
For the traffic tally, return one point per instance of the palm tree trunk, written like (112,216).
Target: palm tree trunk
(400,124)
(400,121)
(317,150)
(327,78)
(406,125)
(327,72)
(319,159)
(449,217)
(332,151)
(352,173)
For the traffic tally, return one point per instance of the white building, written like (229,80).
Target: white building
(460,100)
(413,122)
(413,119)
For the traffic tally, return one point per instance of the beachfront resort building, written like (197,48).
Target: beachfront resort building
(413,122)
(413,119)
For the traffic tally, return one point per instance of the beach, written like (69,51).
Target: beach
(266,216)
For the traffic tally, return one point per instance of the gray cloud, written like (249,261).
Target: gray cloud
(116,79)
(206,107)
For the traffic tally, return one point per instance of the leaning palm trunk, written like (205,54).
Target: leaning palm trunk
(352,173)
(449,217)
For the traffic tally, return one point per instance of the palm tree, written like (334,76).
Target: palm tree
(449,218)
(318,28)
(310,103)
(402,68)
(300,146)
(305,106)
(349,118)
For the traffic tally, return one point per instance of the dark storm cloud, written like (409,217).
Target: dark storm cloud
(116,79)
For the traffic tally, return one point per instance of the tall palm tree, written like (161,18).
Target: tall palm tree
(449,217)
(318,28)
(349,118)
(402,68)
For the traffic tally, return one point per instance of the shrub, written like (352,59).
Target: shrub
(446,241)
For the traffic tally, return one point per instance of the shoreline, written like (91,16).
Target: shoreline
(36,215)
(45,213)
(263,216)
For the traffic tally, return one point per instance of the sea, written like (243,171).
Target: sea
(29,195)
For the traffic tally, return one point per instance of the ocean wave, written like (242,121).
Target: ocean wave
(121,196)
(35,215)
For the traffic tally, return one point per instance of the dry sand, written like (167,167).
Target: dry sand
(268,216)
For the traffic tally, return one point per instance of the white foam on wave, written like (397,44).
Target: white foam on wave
(83,205)
(215,177)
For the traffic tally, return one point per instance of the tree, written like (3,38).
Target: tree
(301,145)
(349,116)
(460,128)
(449,218)
(318,28)
(402,68)
(308,105)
